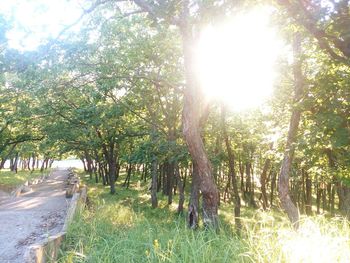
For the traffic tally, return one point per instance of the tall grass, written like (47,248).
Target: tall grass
(317,240)
(124,228)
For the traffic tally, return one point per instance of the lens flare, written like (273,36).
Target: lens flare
(235,61)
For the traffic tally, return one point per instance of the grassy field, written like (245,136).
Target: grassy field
(9,180)
(124,228)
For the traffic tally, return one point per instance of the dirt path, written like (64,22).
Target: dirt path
(32,217)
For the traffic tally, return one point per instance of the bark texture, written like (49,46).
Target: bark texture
(283,183)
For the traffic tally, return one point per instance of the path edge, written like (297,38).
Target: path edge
(47,251)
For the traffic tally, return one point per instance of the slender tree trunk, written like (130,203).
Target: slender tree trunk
(232,173)
(324,198)
(263,179)
(283,183)
(170,181)
(241,171)
(308,189)
(318,198)
(273,186)
(165,182)
(112,172)
(128,176)
(43,165)
(7,156)
(159,184)
(154,186)
(33,161)
(88,164)
(181,186)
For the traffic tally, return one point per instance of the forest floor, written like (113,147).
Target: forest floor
(32,217)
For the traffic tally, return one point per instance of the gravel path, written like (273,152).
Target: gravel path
(32,217)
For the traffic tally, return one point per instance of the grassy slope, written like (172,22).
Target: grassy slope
(10,179)
(124,228)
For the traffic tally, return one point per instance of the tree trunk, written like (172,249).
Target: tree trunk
(191,126)
(263,179)
(170,181)
(193,206)
(181,186)
(283,183)
(232,173)
(308,190)
(344,199)
(154,172)
(273,186)
(43,165)
(318,198)
(128,176)
(241,171)
(33,161)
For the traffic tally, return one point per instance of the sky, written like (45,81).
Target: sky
(36,20)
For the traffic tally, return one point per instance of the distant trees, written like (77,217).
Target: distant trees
(123,96)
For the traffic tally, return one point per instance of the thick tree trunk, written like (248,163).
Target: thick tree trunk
(193,206)
(191,126)
(283,183)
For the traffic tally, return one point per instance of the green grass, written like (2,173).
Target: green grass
(9,180)
(124,228)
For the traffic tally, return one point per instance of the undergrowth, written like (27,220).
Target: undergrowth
(124,228)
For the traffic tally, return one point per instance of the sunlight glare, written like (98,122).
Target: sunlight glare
(236,60)
(311,244)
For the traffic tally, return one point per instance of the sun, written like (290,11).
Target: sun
(236,60)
